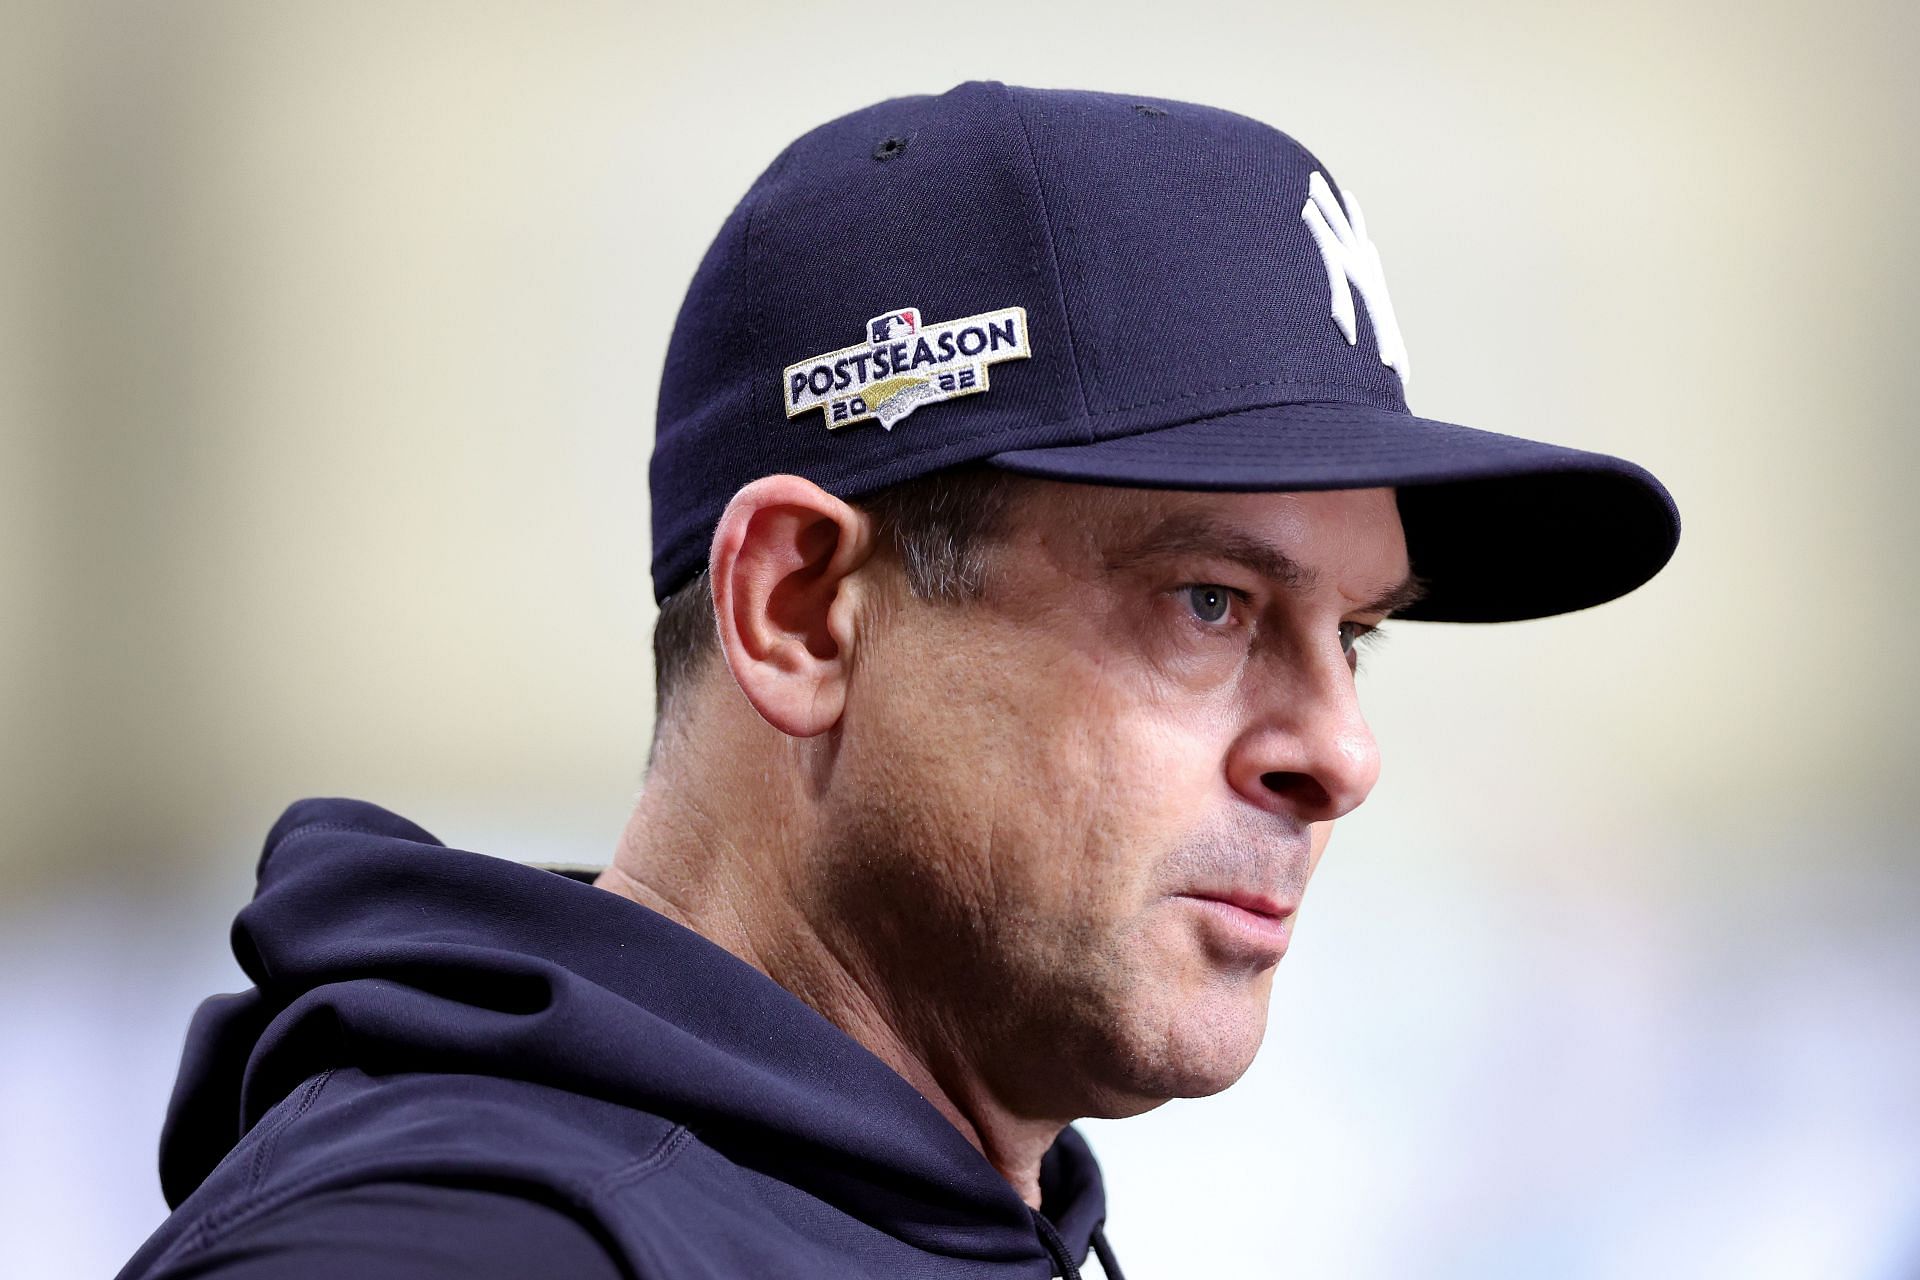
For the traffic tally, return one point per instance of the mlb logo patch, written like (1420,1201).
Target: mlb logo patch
(904,364)
(880,329)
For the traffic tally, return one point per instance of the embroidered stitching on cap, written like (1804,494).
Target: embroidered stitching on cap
(1350,255)
(881,378)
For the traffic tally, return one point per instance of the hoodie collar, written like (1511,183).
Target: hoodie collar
(534,973)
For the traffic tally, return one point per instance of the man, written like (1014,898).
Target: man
(1027,479)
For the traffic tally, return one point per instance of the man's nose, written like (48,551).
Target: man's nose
(1307,750)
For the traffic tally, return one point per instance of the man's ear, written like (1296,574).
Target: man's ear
(785,599)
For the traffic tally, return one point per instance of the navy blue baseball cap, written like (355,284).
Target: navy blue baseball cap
(1104,289)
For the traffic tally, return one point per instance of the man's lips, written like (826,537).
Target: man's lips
(1259,904)
(1250,925)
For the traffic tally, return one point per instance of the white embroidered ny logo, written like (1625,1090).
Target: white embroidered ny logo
(1351,256)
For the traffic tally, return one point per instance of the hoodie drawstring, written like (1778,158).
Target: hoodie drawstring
(1056,1247)
(1063,1261)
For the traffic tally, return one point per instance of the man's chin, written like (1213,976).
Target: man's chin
(1159,1088)
(1201,1053)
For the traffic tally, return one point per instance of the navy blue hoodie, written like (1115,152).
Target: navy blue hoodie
(452,1064)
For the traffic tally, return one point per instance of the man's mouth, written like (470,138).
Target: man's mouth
(1259,904)
(1249,925)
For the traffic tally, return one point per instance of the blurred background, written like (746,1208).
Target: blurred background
(329,340)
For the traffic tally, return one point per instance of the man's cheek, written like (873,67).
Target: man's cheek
(1321,833)
(1153,786)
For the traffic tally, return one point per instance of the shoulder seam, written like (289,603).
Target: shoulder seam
(658,1158)
(221,1221)
(264,1152)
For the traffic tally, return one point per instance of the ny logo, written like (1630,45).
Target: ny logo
(1350,256)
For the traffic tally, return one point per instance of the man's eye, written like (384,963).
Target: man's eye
(1209,601)
(1354,634)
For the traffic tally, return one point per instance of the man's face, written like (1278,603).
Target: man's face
(1033,796)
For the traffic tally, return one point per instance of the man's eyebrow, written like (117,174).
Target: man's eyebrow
(1195,533)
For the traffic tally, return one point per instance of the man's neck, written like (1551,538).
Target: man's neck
(675,859)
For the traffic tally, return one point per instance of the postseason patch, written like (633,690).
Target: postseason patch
(904,364)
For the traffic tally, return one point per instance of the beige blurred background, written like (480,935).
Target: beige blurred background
(329,340)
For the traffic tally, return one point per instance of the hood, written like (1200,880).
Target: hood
(371,944)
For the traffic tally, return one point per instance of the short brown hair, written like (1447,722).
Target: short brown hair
(942,526)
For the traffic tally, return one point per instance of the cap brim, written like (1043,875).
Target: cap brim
(1499,527)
